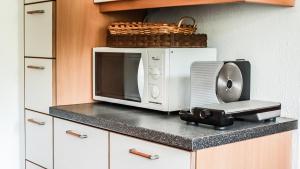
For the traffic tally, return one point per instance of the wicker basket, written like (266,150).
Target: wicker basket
(158,41)
(144,28)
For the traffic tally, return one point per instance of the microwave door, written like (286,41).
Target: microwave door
(116,75)
(131,69)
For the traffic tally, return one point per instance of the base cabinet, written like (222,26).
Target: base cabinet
(269,152)
(131,153)
(79,147)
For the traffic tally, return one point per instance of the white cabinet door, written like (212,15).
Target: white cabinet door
(79,147)
(34,1)
(39,136)
(131,153)
(39,30)
(39,84)
(30,165)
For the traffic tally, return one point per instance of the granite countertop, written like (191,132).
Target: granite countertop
(165,129)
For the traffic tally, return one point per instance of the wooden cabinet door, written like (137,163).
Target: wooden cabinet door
(268,152)
(79,147)
(39,136)
(39,30)
(131,153)
(101,1)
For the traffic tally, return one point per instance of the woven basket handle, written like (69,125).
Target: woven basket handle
(184,18)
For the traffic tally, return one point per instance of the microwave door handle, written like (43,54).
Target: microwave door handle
(140,78)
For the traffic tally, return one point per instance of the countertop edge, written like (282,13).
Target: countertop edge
(179,142)
(143,133)
(242,135)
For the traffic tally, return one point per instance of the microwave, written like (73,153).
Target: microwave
(152,78)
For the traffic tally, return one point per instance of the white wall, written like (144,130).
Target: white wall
(268,36)
(9,86)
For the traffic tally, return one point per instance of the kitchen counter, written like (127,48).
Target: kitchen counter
(165,129)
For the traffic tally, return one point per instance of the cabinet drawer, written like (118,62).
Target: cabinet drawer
(131,153)
(39,30)
(30,165)
(39,136)
(39,84)
(79,147)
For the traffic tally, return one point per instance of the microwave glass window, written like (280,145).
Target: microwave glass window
(116,75)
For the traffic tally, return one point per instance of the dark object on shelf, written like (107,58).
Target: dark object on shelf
(222,115)
(159,40)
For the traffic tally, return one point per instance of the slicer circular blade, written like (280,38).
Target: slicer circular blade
(229,83)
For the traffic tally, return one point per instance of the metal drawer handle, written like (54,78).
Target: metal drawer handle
(72,133)
(36,122)
(36,12)
(148,156)
(36,67)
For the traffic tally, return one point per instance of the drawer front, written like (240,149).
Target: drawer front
(39,84)
(131,153)
(30,165)
(79,147)
(39,30)
(39,136)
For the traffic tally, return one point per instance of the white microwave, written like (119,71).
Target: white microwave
(152,78)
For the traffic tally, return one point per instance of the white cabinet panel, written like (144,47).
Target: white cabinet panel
(39,84)
(39,136)
(131,153)
(39,30)
(79,147)
(34,1)
(30,165)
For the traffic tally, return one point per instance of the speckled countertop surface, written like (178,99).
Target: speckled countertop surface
(165,129)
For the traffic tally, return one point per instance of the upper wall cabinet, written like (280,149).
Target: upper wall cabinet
(122,5)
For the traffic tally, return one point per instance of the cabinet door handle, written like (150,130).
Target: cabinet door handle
(141,154)
(36,122)
(36,12)
(35,67)
(72,133)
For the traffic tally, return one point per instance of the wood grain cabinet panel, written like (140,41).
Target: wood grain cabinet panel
(269,152)
(146,4)
(101,1)
(79,28)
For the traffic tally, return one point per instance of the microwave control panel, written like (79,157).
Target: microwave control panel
(155,76)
